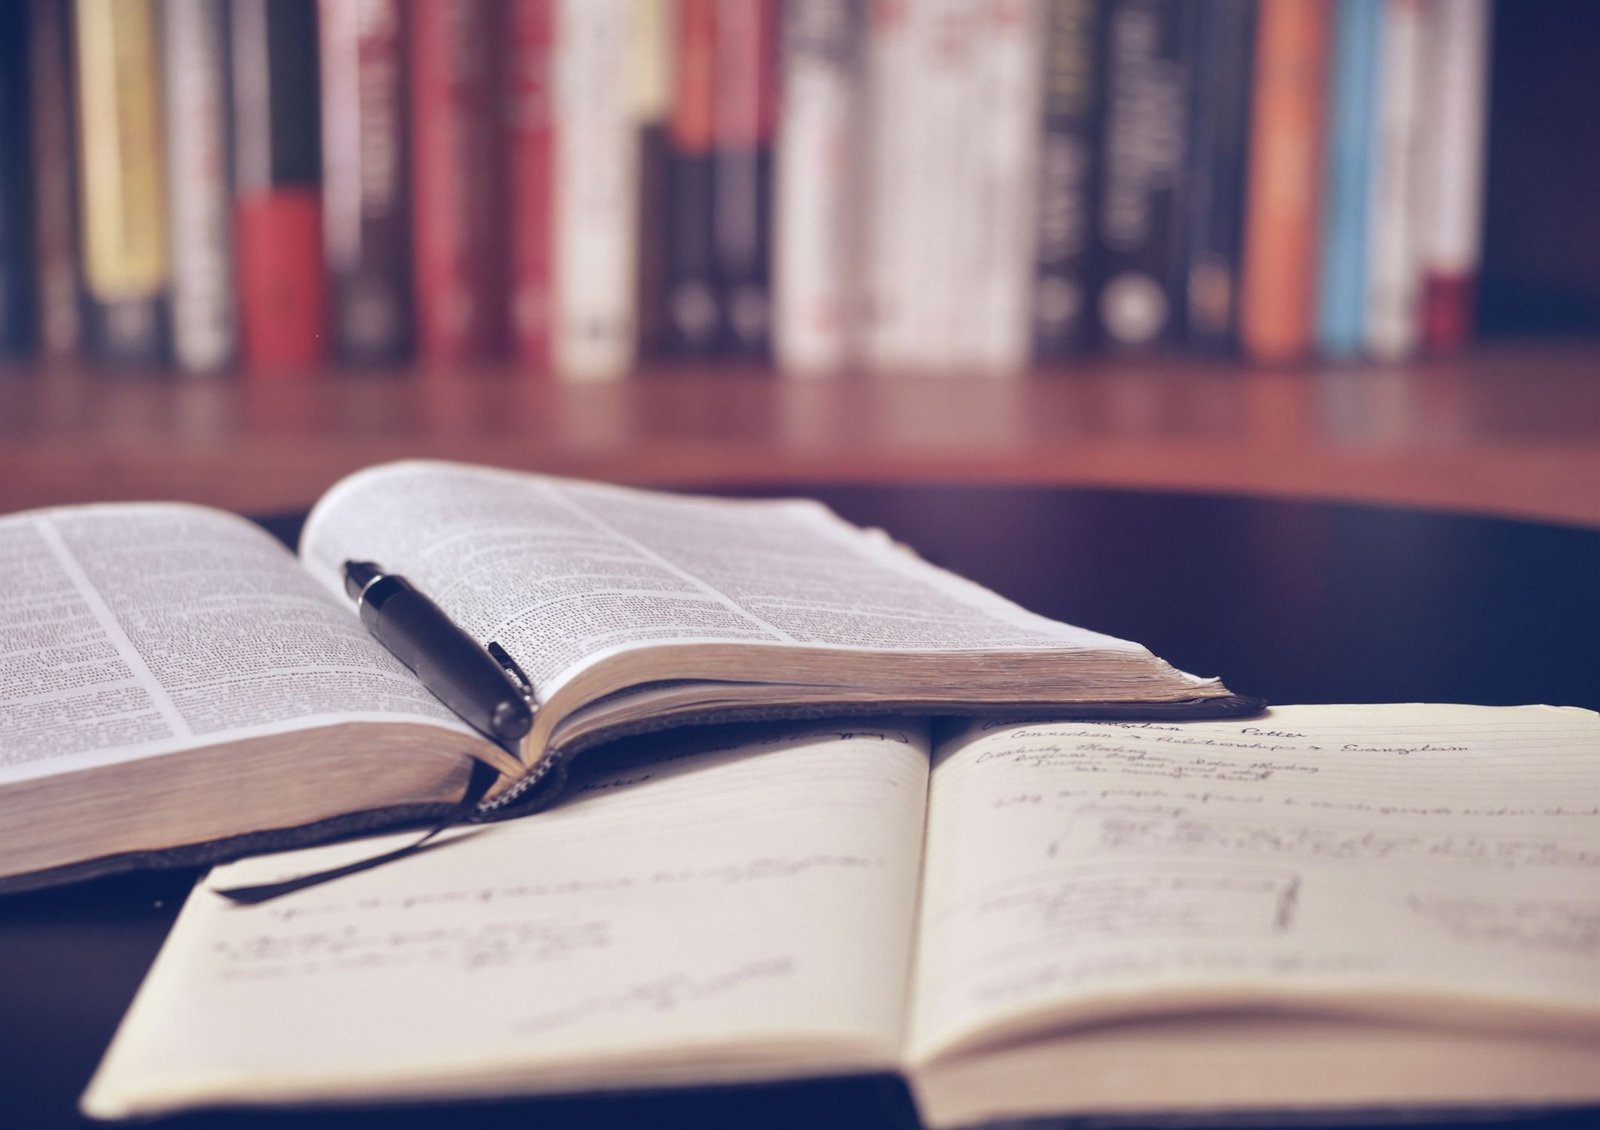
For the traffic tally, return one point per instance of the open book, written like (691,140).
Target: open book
(176,687)
(1329,907)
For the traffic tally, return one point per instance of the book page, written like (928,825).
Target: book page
(133,630)
(559,572)
(1421,861)
(729,905)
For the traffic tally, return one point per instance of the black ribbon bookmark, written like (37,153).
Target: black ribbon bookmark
(478,783)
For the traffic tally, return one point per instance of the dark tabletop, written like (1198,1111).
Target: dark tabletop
(1297,602)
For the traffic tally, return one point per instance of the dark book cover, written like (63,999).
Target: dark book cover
(277,183)
(52,172)
(1065,208)
(692,295)
(1142,160)
(366,224)
(1221,46)
(16,259)
(745,101)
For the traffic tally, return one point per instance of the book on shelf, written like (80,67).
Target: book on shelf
(277,172)
(199,185)
(1347,178)
(365,230)
(180,656)
(121,180)
(530,158)
(1219,43)
(1146,130)
(816,186)
(52,172)
(692,295)
(457,191)
(946,186)
(596,184)
(16,258)
(1456,90)
(1393,255)
(1325,914)
(1065,193)
(1277,304)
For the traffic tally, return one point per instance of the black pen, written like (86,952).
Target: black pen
(485,687)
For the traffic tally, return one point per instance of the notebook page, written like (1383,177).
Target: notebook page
(1439,860)
(731,912)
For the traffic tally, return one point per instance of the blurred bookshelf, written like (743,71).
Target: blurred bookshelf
(1507,424)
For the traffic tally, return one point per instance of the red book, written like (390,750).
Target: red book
(457,221)
(282,296)
(532,153)
(277,191)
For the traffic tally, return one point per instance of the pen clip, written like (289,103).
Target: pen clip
(518,676)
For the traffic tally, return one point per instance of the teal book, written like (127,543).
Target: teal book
(1348,175)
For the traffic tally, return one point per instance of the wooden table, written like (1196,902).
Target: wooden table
(1297,601)
(1512,431)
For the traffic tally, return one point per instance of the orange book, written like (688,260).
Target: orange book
(1277,313)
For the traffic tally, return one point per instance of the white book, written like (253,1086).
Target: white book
(892,190)
(199,193)
(817,185)
(596,174)
(996,267)
(1456,40)
(1394,264)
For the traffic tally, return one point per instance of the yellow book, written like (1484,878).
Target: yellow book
(120,148)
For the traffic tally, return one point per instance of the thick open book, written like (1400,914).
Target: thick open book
(177,687)
(1349,907)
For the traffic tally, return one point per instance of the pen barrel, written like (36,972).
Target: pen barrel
(450,663)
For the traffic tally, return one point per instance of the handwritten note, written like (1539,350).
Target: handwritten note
(1075,870)
(743,896)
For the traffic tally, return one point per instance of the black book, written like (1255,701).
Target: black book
(16,274)
(1221,38)
(1068,149)
(1146,126)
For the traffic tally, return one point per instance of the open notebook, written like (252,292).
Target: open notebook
(1328,907)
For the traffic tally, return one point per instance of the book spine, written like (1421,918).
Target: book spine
(277,190)
(652,83)
(531,140)
(691,281)
(1341,307)
(1394,265)
(1222,40)
(940,117)
(1282,198)
(56,283)
(1003,161)
(121,190)
(16,266)
(814,185)
(596,191)
(1457,41)
(194,37)
(1146,127)
(365,218)
(1065,208)
(744,110)
(457,205)
(888,335)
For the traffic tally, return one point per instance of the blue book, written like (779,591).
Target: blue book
(1341,304)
